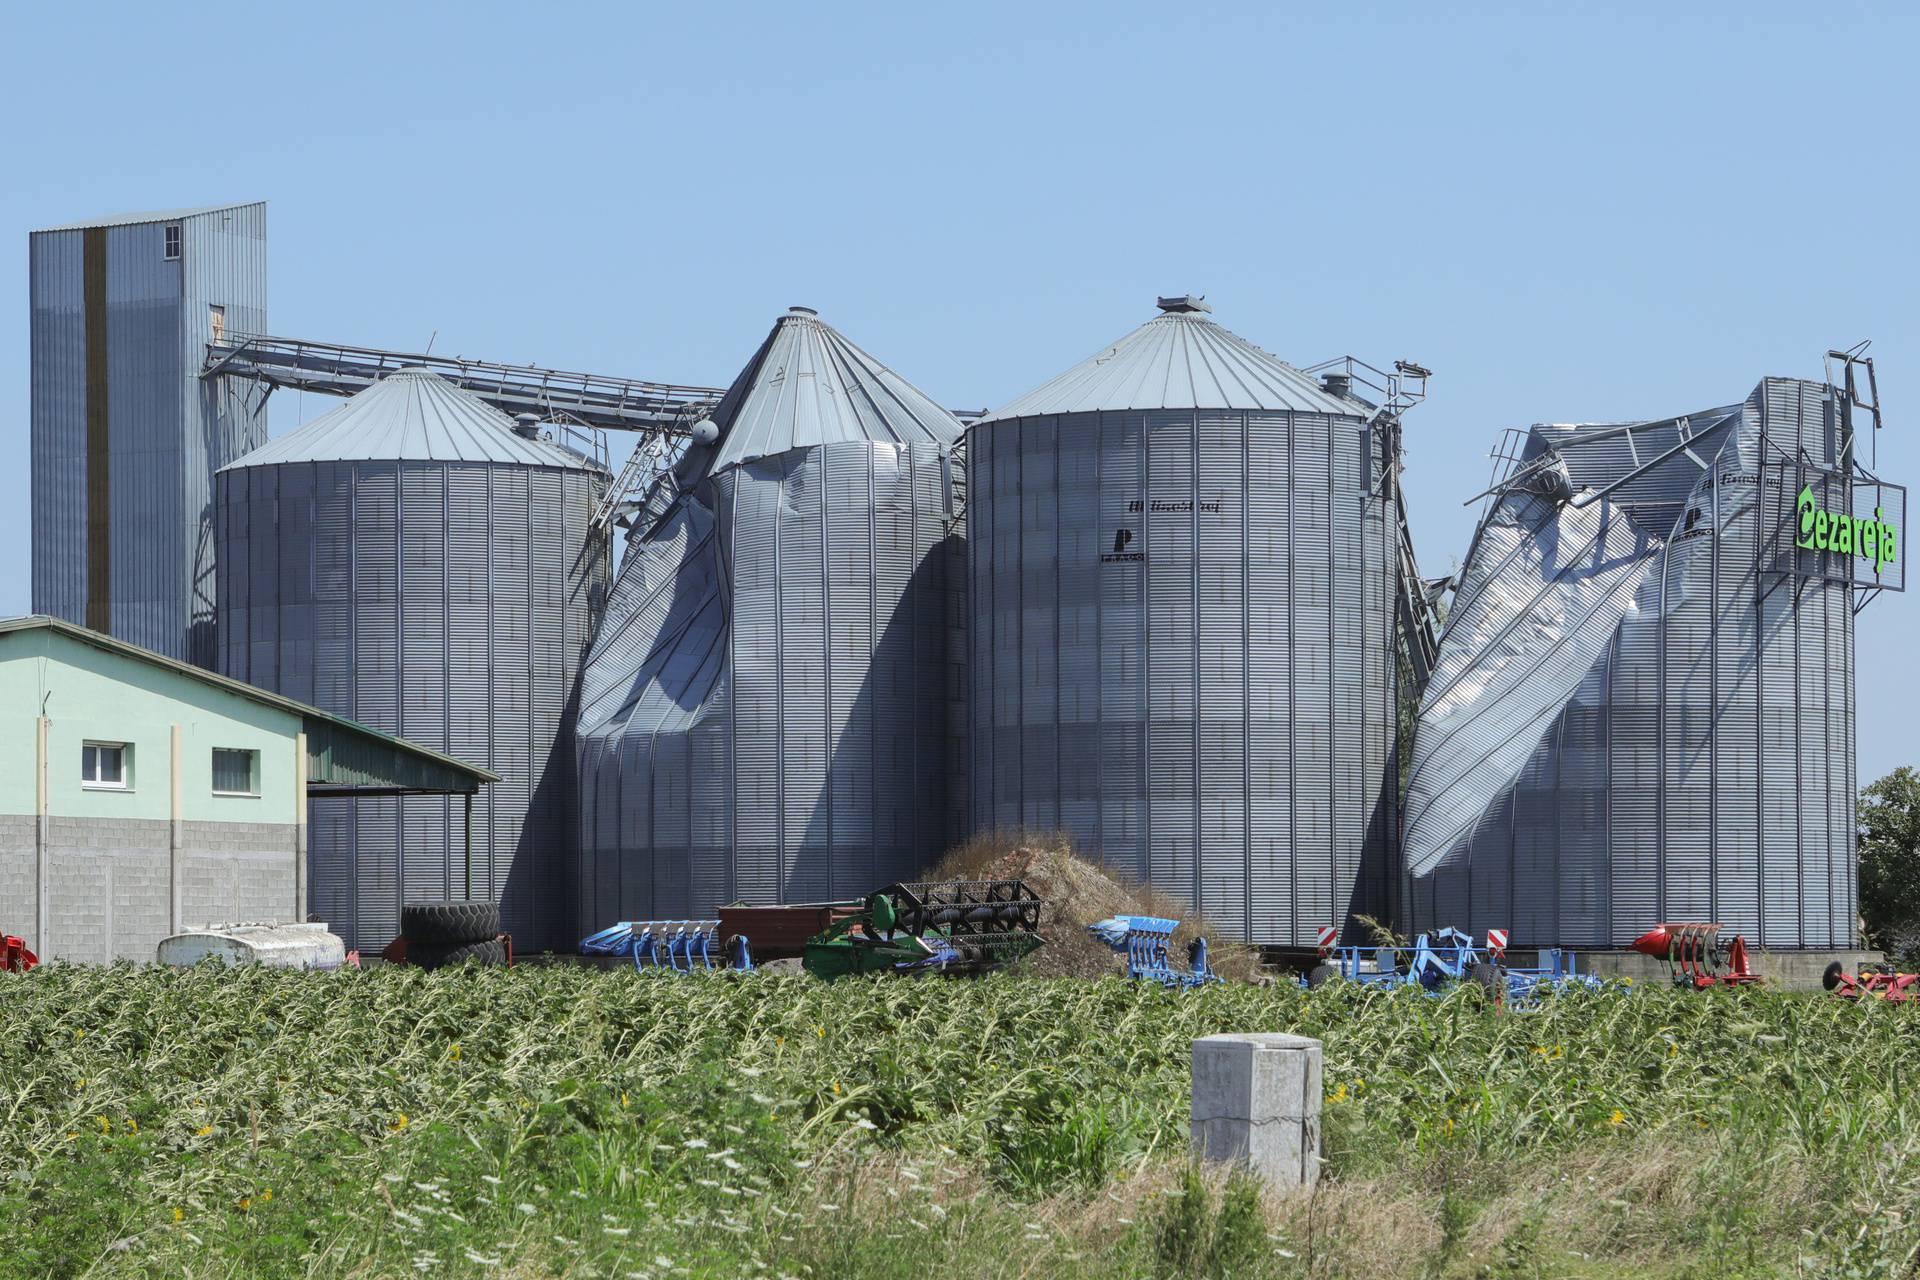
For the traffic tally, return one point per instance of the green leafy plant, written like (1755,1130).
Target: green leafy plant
(1890,863)
(570,1121)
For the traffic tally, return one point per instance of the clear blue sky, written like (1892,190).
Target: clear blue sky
(1594,212)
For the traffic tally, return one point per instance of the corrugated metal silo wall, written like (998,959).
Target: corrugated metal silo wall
(451,604)
(1705,771)
(1182,654)
(57,375)
(815,763)
(224,264)
(167,431)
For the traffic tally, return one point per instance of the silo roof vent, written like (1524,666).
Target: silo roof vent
(802,311)
(1337,383)
(1185,304)
(526,426)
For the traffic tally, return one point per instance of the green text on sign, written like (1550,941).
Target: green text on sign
(1821,530)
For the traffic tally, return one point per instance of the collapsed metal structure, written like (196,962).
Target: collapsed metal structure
(764,715)
(1643,707)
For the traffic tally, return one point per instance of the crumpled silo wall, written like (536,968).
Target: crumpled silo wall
(1638,716)
(1182,652)
(449,603)
(764,716)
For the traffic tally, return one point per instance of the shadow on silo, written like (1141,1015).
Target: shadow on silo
(892,759)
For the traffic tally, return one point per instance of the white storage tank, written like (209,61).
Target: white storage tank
(278,946)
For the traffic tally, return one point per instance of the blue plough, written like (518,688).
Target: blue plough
(679,946)
(1147,942)
(1447,956)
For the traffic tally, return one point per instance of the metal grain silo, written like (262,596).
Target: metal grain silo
(765,712)
(409,560)
(1643,706)
(1183,582)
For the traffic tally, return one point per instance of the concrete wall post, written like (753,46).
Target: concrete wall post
(1256,1104)
(300,827)
(175,871)
(41,889)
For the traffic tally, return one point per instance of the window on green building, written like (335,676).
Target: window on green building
(104,764)
(236,772)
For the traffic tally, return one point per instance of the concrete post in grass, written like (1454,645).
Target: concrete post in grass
(1256,1104)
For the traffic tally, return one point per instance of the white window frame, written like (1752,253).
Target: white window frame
(126,765)
(171,239)
(253,771)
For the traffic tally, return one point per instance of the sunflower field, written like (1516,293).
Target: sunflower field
(565,1121)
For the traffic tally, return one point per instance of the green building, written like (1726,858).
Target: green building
(140,796)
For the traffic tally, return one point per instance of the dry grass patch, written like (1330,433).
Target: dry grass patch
(1080,890)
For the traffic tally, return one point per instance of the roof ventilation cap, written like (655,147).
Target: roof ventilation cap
(526,425)
(1184,304)
(802,311)
(1337,384)
(706,431)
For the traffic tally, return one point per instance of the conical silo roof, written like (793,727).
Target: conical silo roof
(1178,360)
(412,415)
(807,385)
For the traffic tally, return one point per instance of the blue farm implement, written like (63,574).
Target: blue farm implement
(1147,943)
(1451,956)
(679,946)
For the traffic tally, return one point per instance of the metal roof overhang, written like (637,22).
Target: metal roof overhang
(348,759)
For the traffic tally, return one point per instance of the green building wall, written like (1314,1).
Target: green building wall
(105,873)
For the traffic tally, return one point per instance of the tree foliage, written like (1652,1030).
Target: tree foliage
(1890,862)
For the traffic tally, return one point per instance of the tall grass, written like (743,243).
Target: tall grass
(571,1121)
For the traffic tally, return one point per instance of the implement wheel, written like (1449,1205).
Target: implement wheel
(1321,974)
(1488,976)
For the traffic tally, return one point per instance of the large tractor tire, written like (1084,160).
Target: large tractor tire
(441,955)
(449,922)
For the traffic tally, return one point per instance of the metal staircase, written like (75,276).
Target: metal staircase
(1419,617)
(1395,391)
(653,456)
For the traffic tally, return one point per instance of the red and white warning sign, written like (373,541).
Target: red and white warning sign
(1497,941)
(1328,935)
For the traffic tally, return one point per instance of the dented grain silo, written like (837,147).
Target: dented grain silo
(414,560)
(1185,570)
(1643,709)
(764,715)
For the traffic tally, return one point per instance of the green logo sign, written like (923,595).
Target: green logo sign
(1845,535)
